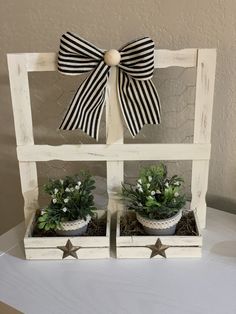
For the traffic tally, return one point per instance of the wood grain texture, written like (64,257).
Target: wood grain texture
(185,58)
(202,128)
(21,105)
(114,152)
(56,254)
(114,137)
(163,58)
(172,252)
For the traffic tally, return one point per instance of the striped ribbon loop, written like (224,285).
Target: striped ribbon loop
(139,100)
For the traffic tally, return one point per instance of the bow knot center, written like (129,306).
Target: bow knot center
(112,57)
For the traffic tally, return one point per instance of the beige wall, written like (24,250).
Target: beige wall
(35,26)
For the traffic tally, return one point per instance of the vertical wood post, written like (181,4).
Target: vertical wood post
(206,65)
(23,127)
(114,135)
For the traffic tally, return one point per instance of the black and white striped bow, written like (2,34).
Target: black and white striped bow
(137,94)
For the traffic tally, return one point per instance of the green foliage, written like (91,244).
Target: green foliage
(71,199)
(154,195)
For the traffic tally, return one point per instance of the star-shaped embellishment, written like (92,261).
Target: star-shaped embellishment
(69,249)
(158,249)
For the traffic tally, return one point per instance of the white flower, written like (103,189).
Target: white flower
(43,211)
(67,190)
(167,184)
(140,181)
(64,209)
(66,200)
(140,204)
(158,192)
(72,189)
(148,185)
(149,178)
(153,193)
(61,181)
(55,191)
(77,187)
(54,200)
(176,194)
(140,189)
(176,183)
(79,183)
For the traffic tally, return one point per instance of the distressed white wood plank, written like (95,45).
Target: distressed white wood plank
(167,240)
(114,152)
(41,62)
(163,58)
(54,254)
(186,58)
(114,136)
(20,96)
(114,126)
(29,188)
(172,252)
(202,128)
(52,242)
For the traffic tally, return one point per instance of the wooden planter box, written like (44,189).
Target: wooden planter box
(135,246)
(91,247)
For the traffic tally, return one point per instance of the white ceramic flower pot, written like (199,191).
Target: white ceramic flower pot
(160,227)
(74,228)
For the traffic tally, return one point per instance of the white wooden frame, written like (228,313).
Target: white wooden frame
(114,151)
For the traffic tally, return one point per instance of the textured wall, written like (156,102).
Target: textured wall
(35,26)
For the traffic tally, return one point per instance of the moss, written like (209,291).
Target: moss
(129,225)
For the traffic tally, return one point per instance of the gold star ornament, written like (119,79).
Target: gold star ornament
(158,249)
(69,250)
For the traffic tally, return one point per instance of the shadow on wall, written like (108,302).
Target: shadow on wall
(222,203)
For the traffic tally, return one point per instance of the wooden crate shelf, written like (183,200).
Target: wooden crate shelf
(114,152)
(91,247)
(135,246)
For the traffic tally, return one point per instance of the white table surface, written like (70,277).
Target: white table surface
(204,285)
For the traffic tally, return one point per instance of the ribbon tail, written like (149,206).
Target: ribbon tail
(139,102)
(86,107)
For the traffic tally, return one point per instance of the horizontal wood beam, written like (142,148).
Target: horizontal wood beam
(187,58)
(109,152)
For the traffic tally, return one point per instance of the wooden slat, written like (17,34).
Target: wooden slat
(202,128)
(114,136)
(56,254)
(186,58)
(23,127)
(167,240)
(114,152)
(52,242)
(172,252)
(37,62)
